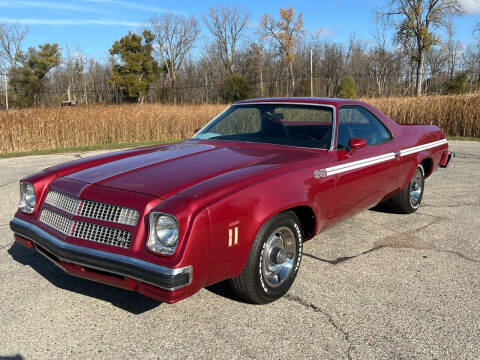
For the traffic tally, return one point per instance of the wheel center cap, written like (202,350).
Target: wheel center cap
(281,256)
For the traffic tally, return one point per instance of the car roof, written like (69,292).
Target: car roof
(302,100)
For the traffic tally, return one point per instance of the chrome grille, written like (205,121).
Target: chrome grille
(54,220)
(64,202)
(107,212)
(86,231)
(101,234)
(92,209)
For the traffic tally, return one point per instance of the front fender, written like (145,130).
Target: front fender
(236,219)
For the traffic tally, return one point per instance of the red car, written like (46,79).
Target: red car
(237,201)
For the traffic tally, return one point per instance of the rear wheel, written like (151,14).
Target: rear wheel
(273,262)
(408,200)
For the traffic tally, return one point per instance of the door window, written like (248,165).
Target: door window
(355,121)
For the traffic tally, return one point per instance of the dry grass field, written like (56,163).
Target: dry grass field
(61,128)
(456,115)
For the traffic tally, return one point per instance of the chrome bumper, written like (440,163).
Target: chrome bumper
(161,276)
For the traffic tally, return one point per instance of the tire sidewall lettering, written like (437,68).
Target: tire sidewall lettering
(299,239)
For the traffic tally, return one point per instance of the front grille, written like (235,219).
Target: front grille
(106,212)
(54,220)
(101,234)
(92,209)
(64,202)
(86,231)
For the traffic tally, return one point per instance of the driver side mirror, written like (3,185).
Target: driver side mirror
(196,130)
(355,144)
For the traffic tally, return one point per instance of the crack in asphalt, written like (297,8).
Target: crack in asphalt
(465,157)
(342,258)
(329,317)
(451,205)
(345,258)
(389,242)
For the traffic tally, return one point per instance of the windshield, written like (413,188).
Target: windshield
(284,124)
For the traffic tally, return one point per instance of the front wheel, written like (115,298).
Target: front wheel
(408,200)
(273,262)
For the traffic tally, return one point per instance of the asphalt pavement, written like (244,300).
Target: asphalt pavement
(377,286)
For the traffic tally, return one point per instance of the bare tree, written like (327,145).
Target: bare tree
(418,17)
(11,38)
(226,25)
(175,36)
(285,33)
(453,47)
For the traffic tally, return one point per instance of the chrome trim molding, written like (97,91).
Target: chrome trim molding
(163,277)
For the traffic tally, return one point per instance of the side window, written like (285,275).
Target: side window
(355,121)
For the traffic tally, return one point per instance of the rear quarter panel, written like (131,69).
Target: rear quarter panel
(411,136)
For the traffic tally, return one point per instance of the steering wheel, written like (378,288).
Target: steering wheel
(304,136)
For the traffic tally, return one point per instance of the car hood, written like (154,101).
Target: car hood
(172,168)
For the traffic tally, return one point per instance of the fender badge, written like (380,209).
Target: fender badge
(317,174)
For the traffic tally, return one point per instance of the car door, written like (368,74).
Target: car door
(367,175)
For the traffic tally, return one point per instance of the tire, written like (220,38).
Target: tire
(408,200)
(273,262)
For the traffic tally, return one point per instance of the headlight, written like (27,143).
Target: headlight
(163,236)
(28,200)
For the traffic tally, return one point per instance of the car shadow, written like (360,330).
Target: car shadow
(384,208)
(13,357)
(224,289)
(132,302)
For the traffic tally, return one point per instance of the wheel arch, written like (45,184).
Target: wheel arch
(307,218)
(427,164)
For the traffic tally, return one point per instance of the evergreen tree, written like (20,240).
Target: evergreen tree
(348,88)
(134,68)
(28,79)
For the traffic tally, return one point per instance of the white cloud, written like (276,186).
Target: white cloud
(45,5)
(132,5)
(470,7)
(72,22)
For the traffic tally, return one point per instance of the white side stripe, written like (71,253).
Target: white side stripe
(360,164)
(422,147)
(381,158)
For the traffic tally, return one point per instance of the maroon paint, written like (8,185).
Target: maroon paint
(211,184)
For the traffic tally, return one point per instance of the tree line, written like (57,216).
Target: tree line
(170,62)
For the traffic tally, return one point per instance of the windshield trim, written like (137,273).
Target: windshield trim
(334,118)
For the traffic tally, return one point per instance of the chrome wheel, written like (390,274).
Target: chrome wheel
(416,187)
(278,257)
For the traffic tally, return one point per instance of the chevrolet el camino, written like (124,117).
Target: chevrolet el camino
(237,201)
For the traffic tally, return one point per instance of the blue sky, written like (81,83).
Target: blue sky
(93,25)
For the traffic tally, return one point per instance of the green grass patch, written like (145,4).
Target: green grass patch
(87,148)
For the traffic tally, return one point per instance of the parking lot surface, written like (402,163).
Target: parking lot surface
(377,286)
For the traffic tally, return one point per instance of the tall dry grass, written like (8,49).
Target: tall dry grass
(456,115)
(53,128)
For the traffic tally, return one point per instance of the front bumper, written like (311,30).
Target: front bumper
(66,254)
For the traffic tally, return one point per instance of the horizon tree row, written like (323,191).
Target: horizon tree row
(169,61)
